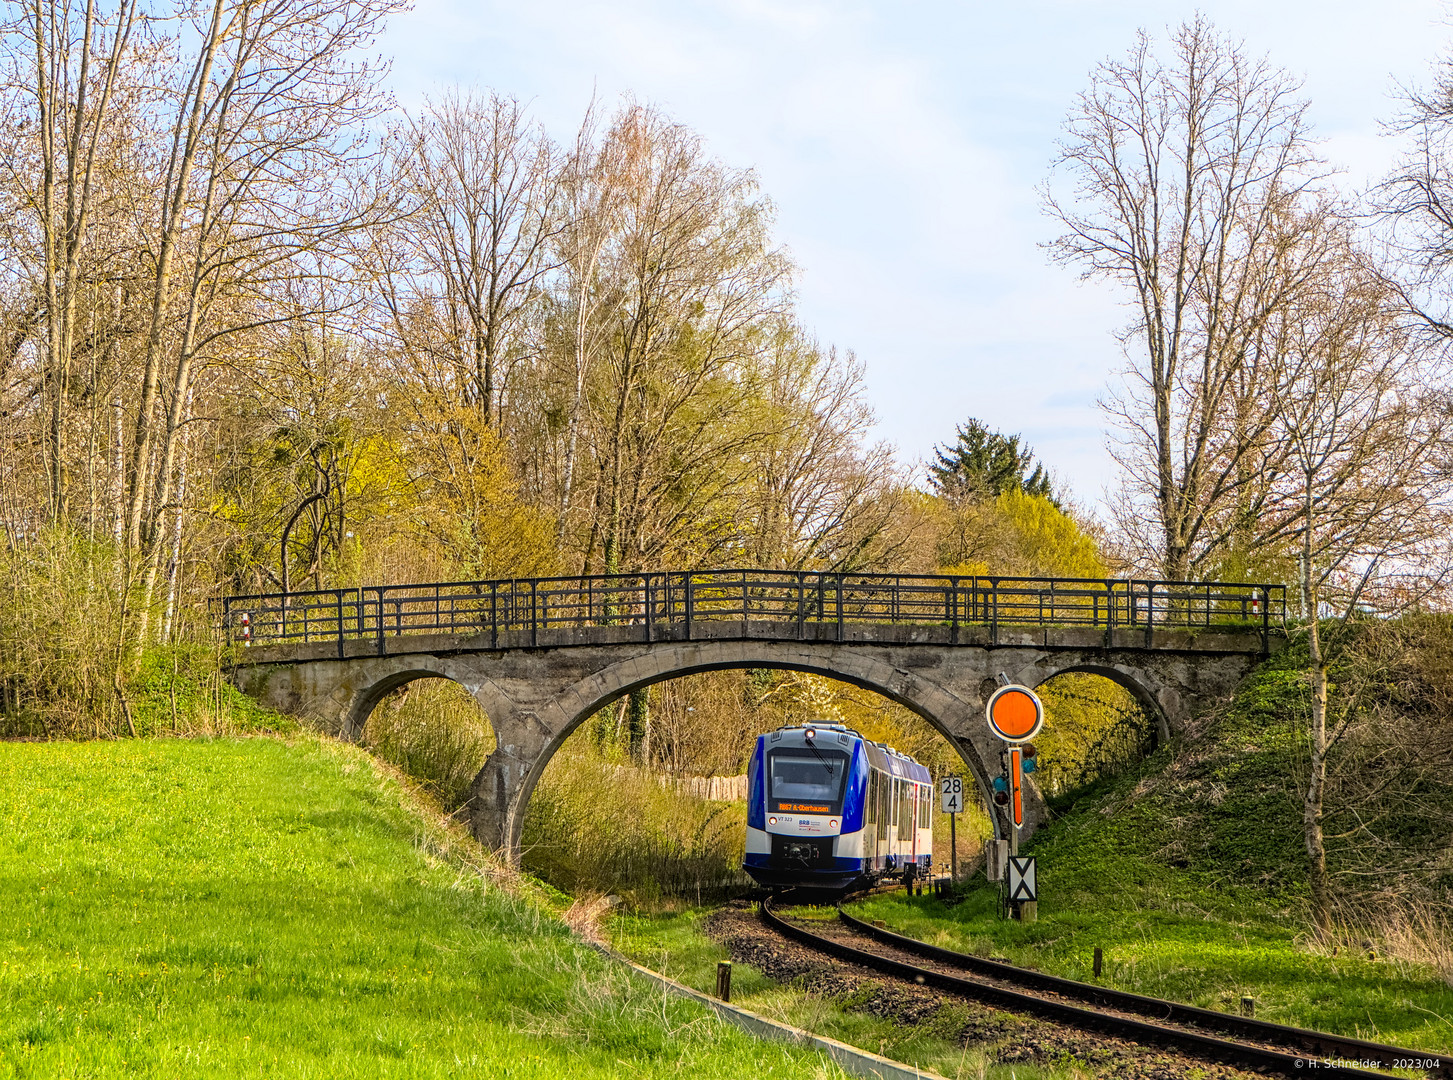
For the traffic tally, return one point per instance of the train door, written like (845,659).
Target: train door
(871,819)
(905,825)
(880,836)
(913,812)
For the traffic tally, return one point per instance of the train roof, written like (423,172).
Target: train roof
(880,756)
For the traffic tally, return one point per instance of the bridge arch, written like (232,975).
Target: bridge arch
(399,671)
(505,784)
(1134,680)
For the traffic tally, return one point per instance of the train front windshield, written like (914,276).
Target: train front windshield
(806,781)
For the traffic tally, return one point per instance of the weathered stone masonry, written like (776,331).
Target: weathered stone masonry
(537,691)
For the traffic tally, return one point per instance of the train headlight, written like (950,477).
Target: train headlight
(832,824)
(810,733)
(771,821)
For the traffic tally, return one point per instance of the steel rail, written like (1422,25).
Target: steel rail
(1321,1043)
(1241,1054)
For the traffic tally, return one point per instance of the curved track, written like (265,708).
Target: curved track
(1255,1045)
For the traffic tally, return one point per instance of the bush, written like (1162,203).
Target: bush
(69,670)
(62,608)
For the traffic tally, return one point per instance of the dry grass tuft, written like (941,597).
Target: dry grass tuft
(1404,931)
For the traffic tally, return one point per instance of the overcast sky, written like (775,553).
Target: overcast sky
(902,143)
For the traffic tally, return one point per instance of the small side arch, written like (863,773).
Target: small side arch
(1130,680)
(385,677)
(507,781)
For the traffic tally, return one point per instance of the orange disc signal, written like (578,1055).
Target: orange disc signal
(1015,713)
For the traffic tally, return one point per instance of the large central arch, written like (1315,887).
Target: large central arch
(504,786)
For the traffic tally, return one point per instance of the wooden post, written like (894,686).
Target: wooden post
(1099,961)
(1248,1006)
(724,980)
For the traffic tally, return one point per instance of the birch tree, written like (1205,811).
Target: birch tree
(1364,439)
(70,71)
(267,121)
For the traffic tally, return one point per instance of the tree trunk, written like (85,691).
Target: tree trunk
(1317,737)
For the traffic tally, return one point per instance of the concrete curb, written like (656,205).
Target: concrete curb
(850,1059)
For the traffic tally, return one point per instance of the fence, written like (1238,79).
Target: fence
(671,605)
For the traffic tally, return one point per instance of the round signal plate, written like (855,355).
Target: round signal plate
(1015,713)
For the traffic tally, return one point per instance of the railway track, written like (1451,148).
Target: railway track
(1242,1042)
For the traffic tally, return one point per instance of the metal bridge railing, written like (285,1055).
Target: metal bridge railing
(673,604)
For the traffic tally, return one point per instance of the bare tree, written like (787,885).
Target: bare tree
(268,122)
(1416,201)
(69,65)
(1193,191)
(591,190)
(483,184)
(690,282)
(822,497)
(1363,437)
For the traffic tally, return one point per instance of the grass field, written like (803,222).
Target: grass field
(1200,948)
(260,907)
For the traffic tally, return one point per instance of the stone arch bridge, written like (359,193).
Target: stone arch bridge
(542,656)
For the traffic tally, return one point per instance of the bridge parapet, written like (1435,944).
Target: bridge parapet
(781,605)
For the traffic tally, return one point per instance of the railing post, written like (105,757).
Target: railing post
(534,613)
(338,608)
(646,586)
(1149,611)
(494,615)
(379,623)
(1265,622)
(994,610)
(801,606)
(840,607)
(953,610)
(690,603)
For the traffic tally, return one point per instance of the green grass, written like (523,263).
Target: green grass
(1193,950)
(674,943)
(259,907)
(1188,872)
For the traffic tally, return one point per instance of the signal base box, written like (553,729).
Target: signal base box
(996,856)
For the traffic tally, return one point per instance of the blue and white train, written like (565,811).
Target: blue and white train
(828,809)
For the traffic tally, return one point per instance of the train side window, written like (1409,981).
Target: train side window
(905,818)
(925,807)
